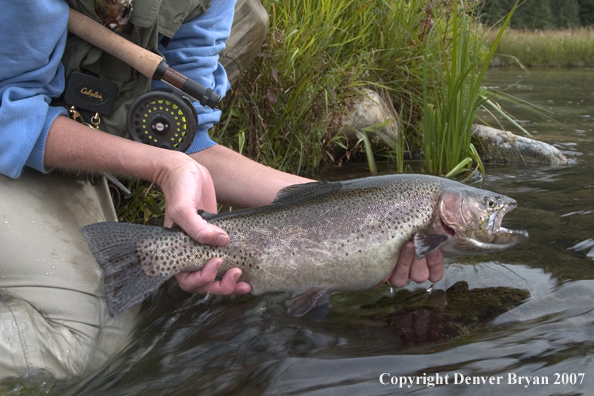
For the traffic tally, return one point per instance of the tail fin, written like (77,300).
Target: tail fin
(114,246)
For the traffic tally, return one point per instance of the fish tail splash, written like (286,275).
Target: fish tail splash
(116,249)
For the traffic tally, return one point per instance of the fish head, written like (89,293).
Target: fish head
(470,219)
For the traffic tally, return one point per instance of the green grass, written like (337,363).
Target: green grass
(546,48)
(453,92)
(285,111)
(319,55)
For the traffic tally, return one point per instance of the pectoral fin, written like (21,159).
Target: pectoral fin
(305,302)
(426,243)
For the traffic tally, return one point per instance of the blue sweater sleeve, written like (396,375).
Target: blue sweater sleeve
(34,33)
(194,52)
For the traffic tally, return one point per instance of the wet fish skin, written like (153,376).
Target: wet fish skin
(315,238)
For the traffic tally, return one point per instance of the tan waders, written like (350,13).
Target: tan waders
(53,318)
(52,312)
(250,26)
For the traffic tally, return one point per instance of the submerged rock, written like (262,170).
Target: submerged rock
(502,146)
(371,113)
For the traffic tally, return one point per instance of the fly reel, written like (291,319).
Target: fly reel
(164,119)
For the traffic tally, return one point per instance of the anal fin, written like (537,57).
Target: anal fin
(306,302)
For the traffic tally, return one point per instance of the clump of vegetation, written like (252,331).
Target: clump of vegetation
(286,110)
(453,92)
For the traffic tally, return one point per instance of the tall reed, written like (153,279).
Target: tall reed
(452,93)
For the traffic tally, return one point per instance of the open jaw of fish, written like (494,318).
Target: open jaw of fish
(469,221)
(314,239)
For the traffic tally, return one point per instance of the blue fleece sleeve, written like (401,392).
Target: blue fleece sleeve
(34,35)
(194,52)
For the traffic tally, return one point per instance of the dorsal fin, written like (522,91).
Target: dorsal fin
(205,215)
(297,192)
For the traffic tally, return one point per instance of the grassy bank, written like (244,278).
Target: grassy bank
(546,48)
(286,110)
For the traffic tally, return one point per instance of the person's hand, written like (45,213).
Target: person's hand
(187,187)
(428,268)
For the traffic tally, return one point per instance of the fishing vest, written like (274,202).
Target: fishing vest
(148,20)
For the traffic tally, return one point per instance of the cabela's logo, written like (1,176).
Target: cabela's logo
(89,92)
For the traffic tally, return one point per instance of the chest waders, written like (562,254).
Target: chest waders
(53,318)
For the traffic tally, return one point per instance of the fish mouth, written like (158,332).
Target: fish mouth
(501,235)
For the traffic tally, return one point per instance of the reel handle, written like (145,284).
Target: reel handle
(146,62)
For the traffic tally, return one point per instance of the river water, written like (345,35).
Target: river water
(489,324)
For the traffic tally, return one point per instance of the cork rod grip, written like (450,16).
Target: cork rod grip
(146,62)
(89,30)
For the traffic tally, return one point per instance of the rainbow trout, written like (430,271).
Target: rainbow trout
(315,238)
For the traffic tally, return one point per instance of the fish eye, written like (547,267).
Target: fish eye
(490,202)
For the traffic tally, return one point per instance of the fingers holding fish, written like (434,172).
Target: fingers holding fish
(186,190)
(204,281)
(428,268)
(400,275)
(418,270)
(435,265)
(202,231)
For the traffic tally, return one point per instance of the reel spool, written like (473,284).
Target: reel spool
(164,119)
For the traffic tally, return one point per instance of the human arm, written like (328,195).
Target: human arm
(31,74)
(37,135)
(186,185)
(408,266)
